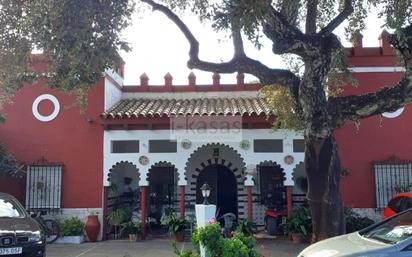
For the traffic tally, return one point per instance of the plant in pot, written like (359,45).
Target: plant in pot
(355,222)
(176,227)
(298,225)
(131,228)
(246,226)
(115,218)
(71,231)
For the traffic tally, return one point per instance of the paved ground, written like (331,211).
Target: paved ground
(157,248)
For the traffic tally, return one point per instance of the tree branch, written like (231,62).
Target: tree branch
(194,44)
(239,63)
(311,15)
(354,107)
(342,16)
(290,9)
(387,99)
(286,38)
(237,39)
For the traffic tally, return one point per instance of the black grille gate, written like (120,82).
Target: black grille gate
(43,187)
(388,176)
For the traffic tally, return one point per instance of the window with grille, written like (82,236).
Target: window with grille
(43,187)
(389,178)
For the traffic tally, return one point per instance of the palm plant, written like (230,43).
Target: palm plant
(115,218)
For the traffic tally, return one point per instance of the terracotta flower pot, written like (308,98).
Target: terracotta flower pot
(132,237)
(179,237)
(298,238)
(92,227)
(135,237)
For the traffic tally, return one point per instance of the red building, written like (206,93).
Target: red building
(148,148)
(375,152)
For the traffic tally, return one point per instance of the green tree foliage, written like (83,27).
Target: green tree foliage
(79,38)
(8,165)
(283,106)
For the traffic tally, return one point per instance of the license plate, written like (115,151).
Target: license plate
(13,250)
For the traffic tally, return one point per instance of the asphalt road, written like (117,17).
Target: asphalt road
(158,248)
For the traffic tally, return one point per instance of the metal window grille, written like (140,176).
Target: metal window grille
(43,187)
(387,177)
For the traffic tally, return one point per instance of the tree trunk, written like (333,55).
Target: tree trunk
(322,165)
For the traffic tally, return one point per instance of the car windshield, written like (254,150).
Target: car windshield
(392,230)
(10,209)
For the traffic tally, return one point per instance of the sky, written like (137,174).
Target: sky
(159,47)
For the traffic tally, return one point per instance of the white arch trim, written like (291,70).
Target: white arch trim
(182,155)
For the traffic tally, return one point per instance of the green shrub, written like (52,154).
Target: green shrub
(116,217)
(130,227)
(299,222)
(217,246)
(246,226)
(71,227)
(355,222)
(175,224)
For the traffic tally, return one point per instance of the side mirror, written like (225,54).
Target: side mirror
(32,214)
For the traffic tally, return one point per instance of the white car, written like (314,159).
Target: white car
(389,238)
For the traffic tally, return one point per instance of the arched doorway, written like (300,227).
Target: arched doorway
(123,191)
(300,187)
(271,186)
(224,188)
(162,195)
(221,157)
(122,196)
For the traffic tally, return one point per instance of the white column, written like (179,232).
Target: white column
(250,174)
(204,213)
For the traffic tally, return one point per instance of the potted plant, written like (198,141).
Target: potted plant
(298,225)
(115,218)
(71,231)
(176,227)
(131,228)
(246,226)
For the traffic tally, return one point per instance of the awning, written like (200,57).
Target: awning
(141,107)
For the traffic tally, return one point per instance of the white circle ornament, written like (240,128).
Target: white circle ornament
(35,108)
(143,160)
(186,144)
(245,144)
(289,160)
(394,114)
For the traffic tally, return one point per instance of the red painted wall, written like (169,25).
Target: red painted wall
(69,139)
(376,139)
(14,186)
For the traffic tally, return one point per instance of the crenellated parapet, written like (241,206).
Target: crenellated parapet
(382,57)
(192,85)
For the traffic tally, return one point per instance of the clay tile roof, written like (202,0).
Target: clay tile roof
(141,107)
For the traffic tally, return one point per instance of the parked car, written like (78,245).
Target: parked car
(398,203)
(389,238)
(20,235)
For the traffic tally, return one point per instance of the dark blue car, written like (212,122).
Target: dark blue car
(20,235)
